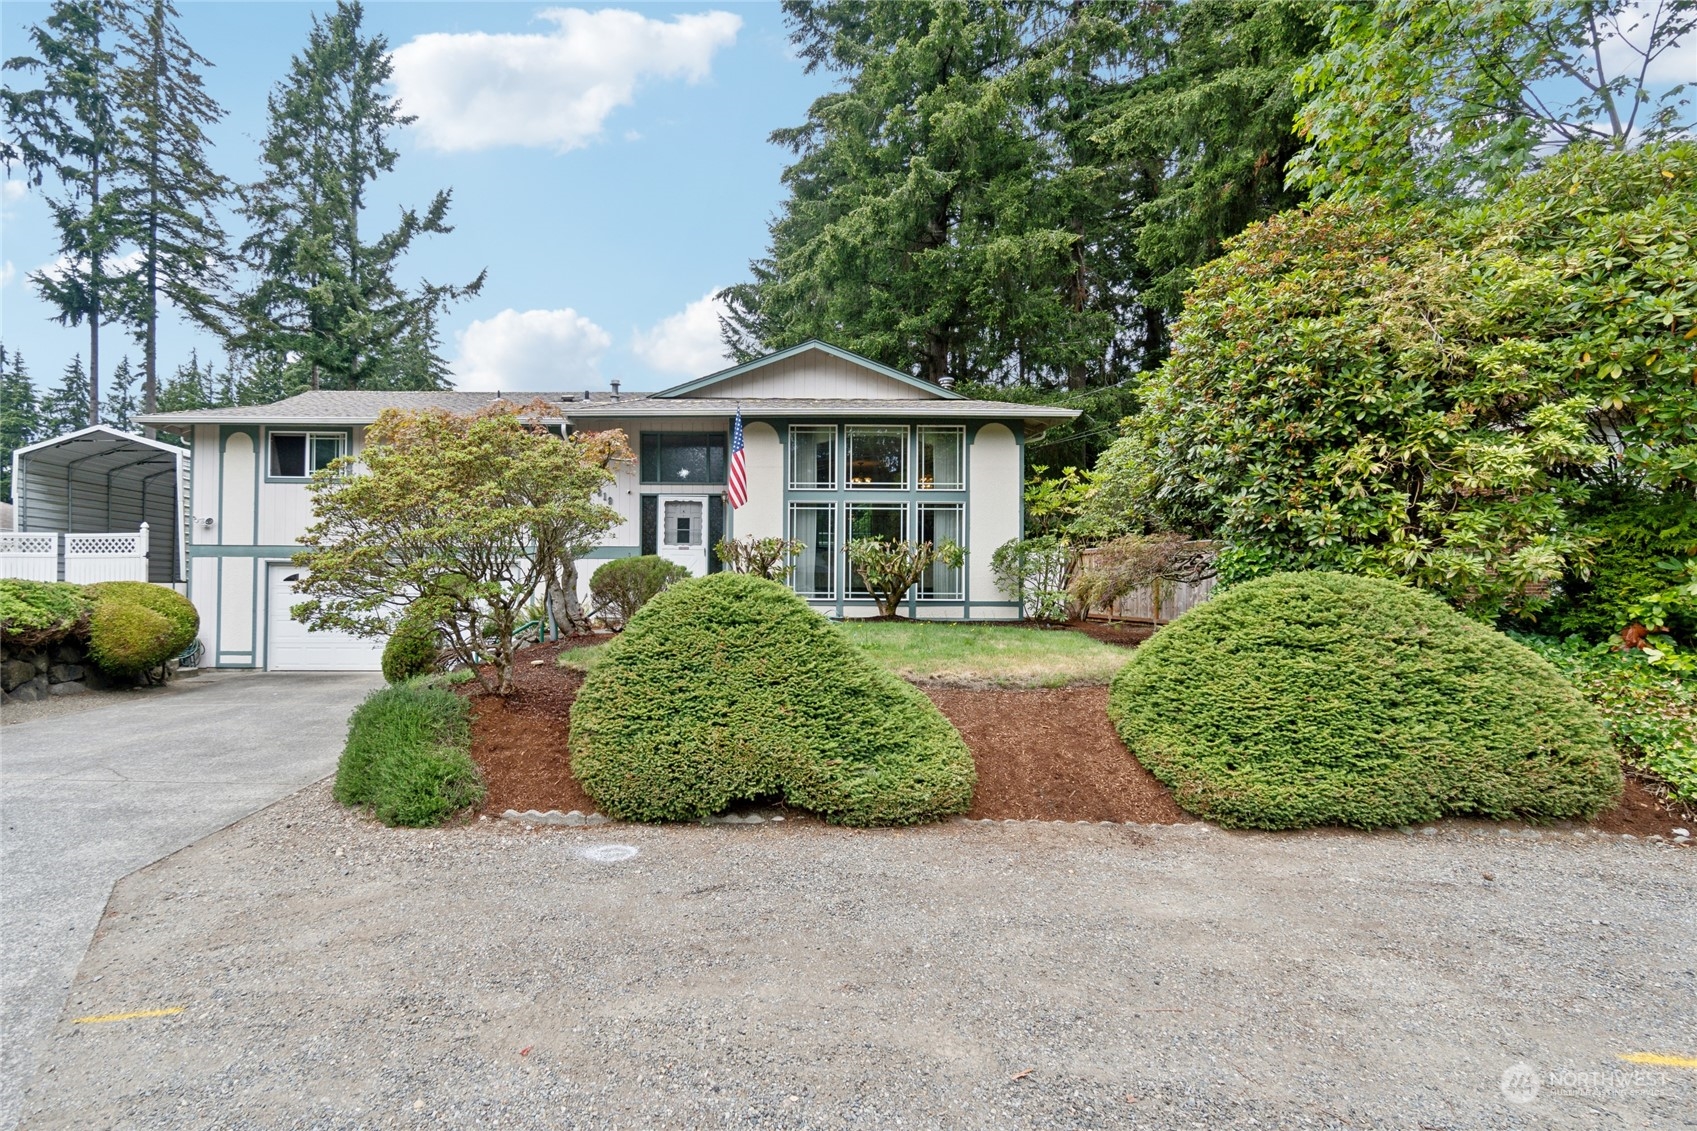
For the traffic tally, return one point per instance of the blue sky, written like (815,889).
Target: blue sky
(609,167)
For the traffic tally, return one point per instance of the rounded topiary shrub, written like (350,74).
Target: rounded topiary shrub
(622,586)
(412,650)
(129,639)
(38,613)
(730,688)
(167,602)
(1320,698)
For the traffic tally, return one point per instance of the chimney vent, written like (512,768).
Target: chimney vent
(615,385)
(946,381)
(586,394)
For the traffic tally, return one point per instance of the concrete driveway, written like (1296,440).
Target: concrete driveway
(90,793)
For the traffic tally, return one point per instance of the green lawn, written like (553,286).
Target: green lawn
(973,654)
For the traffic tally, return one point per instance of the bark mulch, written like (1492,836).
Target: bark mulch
(1049,755)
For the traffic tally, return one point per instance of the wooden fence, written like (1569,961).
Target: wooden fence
(1153,604)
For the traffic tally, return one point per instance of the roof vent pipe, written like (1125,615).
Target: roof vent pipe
(946,381)
(615,385)
(586,394)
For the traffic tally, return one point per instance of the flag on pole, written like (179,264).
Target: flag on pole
(737,481)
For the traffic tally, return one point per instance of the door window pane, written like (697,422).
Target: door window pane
(941,467)
(877,457)
(874,520)
(814,525)
(939,523)
(683,522)
(813,459)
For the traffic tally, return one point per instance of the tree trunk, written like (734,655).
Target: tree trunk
(563,604)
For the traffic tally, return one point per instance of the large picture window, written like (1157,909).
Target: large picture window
(296,455)
(939,523)
(941,463)
(683,457)
(813,458)
(814,525)
(874,520)
(877,457)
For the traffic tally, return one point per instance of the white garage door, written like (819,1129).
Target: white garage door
(290,647)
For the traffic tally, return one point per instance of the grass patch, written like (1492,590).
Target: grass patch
(996,655)
(408,756)
(583,658)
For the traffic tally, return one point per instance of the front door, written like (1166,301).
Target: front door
(683,531)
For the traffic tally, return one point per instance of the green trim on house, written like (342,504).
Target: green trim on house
(811,344)
(208,551)
(264,449)
(613,552)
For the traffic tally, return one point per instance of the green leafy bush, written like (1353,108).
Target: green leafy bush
(1651,709)
(729,688)
(1319,698)
(128,639)
(1035,571)
(413,649)
(624,585)
(763,557)
(161,599)
(34,613)
(1638,537)
(408,756)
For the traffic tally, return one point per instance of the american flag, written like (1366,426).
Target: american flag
(737,483)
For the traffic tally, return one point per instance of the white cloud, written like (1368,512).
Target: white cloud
(55,268)
(476,91)
(531,350)
(7,274)
(14,191)
(686,343)
(1626,37)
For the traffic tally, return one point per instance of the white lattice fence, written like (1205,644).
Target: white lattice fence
(106,557)
(29,557)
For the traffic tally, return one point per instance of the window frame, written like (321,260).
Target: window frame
(835,551)
(959,572)
(851,579)
(706,437)
(919,483)
(906,481)
(310,436)
(836,457)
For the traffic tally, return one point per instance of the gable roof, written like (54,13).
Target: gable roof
(356,406)
(908,379)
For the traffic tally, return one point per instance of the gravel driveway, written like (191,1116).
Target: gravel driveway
(334,974)
(95,786)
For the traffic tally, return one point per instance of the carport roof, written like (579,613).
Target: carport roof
(98,448)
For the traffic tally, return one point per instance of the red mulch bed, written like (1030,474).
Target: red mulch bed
(1046,755)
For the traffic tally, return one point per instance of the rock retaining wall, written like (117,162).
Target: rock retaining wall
(57,669)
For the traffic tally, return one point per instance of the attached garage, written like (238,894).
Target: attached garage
(292,647)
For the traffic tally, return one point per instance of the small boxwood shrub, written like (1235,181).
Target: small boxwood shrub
(128,639)
(1319,698)
(37,613)
(161,599)
(622,586)
(413,649)
(408,756)
(730,688)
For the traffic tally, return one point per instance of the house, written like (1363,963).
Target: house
(837,446)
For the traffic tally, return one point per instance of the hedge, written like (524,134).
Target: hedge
(408,756)
(1319,698)
(36,613)
(137,626)
(729,688)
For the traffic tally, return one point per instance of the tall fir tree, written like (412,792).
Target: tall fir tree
(193,386)
(20,417)
(326,301)
(68,128)
(119,407)
(65,408)
(172,192)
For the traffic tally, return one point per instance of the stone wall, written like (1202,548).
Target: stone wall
(57,669)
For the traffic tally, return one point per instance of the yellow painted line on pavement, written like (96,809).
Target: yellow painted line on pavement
(1661,1060)
(102,1018)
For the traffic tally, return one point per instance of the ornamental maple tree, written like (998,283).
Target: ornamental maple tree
(465,516)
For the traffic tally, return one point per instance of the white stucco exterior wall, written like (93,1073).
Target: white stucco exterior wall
(994,480)
(763,515)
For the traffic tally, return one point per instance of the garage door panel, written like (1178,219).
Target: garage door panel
(292,647)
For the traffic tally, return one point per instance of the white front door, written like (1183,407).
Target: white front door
(291,647)
(683,532)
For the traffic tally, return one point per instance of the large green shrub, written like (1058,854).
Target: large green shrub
(413,649)
(34,613)
(161,599)
(729,688)
(622,586)
(408,756)
(128,639)
(1320,698)
(1639,538)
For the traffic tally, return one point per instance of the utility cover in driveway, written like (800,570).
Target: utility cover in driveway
(290,647)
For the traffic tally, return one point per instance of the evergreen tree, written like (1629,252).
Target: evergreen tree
(171,190)
(66,408)
(326,302)
(20,419)
(68,128)
(191,387)
(119,408)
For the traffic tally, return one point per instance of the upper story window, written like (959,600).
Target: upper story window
(683,457)
(813,458)
(296,455)
(877,457)
(941,466)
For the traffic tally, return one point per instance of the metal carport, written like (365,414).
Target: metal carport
(100,480)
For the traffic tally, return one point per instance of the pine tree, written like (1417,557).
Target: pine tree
(66,408)
(190,388)
(326,302)
(172,191)
(20,418)
(119,408)
(69,129)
